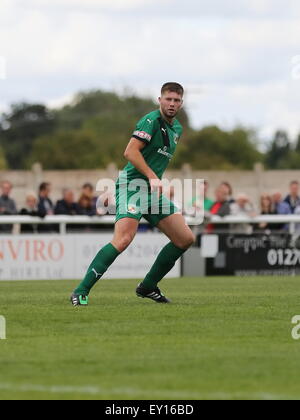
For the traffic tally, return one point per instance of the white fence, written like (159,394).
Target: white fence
(292,220)
(68,255)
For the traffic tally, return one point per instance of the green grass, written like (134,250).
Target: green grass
(222,338)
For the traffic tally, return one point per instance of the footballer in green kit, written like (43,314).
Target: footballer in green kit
(139,193)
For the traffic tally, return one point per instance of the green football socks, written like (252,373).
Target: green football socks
(103,260)
(163,264)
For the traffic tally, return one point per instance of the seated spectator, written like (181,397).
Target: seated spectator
(31,209)
(229,190)
(221,207)
(67,205)
(266,209)
(282,208)
(85,206)
(293,199)
(7,205)
(242,207)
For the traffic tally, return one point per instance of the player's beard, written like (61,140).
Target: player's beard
(170,114)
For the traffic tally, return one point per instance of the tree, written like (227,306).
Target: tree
(3,163)
(20,127)
(77,149)
(279,151)
(213,148)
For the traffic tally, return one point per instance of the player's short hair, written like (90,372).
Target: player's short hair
(172,87)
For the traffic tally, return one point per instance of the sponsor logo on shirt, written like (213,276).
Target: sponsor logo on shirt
(165,153)
(142,135)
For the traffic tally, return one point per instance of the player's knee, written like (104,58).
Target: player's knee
(186,242)
(124,242)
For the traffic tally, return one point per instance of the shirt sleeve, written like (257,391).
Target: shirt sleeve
(144,130)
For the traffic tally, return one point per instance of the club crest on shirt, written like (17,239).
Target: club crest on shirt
(176,138)
(132,209)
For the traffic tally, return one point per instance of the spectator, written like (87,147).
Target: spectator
(7,205)
(229,190)
(293,199)
(221,207)
(88,191)
(85,206)
(67,205)
(31,209)
(282,208)
(266,209)
(45,205)
(242,207)
(202,199)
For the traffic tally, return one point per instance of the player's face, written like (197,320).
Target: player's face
(170,104)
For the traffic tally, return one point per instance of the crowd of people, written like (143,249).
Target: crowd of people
(225,203)
(41,205)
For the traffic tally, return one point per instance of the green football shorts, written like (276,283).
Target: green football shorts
(136,205)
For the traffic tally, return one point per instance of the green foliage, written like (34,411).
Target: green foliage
(282,153)
(3,163)
(19,129)
(68,149)
(213,148)
(94,129)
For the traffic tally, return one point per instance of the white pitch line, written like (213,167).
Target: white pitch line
(94,390)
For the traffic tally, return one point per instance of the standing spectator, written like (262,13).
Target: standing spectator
(282,208)
(202,199)
(242,207)
(221,207)
(229,190)
(45,204)
(45,207)
(85,206)
(30,209)
(266,209)
(7,205)
(67,205)
(88,191)
(293,199)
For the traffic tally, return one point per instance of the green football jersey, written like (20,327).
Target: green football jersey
(161,139)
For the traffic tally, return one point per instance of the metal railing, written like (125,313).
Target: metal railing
(292,220)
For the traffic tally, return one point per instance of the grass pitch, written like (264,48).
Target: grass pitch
(222,338)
